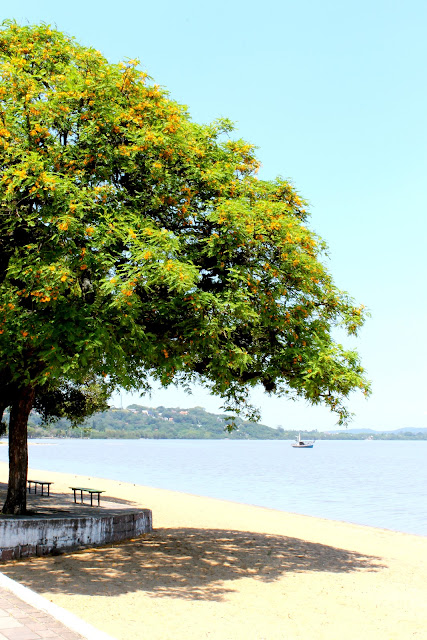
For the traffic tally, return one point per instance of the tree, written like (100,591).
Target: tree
(136,243)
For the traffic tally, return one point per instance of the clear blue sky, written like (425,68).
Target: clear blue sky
(334,95)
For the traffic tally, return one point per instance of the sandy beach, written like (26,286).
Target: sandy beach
(226,571)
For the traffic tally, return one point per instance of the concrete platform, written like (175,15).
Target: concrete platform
(55,523)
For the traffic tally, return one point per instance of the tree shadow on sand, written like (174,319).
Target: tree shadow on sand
(191,564)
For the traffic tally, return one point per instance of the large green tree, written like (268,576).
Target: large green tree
(135,243)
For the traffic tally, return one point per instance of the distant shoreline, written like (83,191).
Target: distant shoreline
(317,436)
(159,423)
(383,436)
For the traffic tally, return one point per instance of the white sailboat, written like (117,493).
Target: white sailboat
(302,444)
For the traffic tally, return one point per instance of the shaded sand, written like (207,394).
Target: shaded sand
(225,571)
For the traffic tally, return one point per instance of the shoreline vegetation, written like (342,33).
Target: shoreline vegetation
(222,570)
(137,421)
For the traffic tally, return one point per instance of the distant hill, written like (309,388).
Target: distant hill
(411,430)
(368,432)
(137,421)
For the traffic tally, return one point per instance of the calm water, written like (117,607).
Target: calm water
(381,484)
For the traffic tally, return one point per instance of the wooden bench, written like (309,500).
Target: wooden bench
(92,492)
(42,483)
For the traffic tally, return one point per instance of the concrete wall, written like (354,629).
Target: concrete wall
(22,537)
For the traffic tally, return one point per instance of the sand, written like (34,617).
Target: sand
(226,571)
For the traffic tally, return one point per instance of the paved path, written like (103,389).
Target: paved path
(21,621)
(25,615)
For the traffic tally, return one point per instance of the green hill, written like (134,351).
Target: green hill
(161,422)
(138,421)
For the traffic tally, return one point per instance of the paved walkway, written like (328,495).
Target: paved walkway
(25,615)
(21,621)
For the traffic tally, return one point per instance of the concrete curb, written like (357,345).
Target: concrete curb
(62,615)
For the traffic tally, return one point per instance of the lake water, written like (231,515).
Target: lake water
(376,483)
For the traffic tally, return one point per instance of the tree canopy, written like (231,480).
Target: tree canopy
(135,243)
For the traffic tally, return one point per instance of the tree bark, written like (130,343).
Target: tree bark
(16,499)
(3,425)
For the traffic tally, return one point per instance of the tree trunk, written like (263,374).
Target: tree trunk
(16,500)
(3,427)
